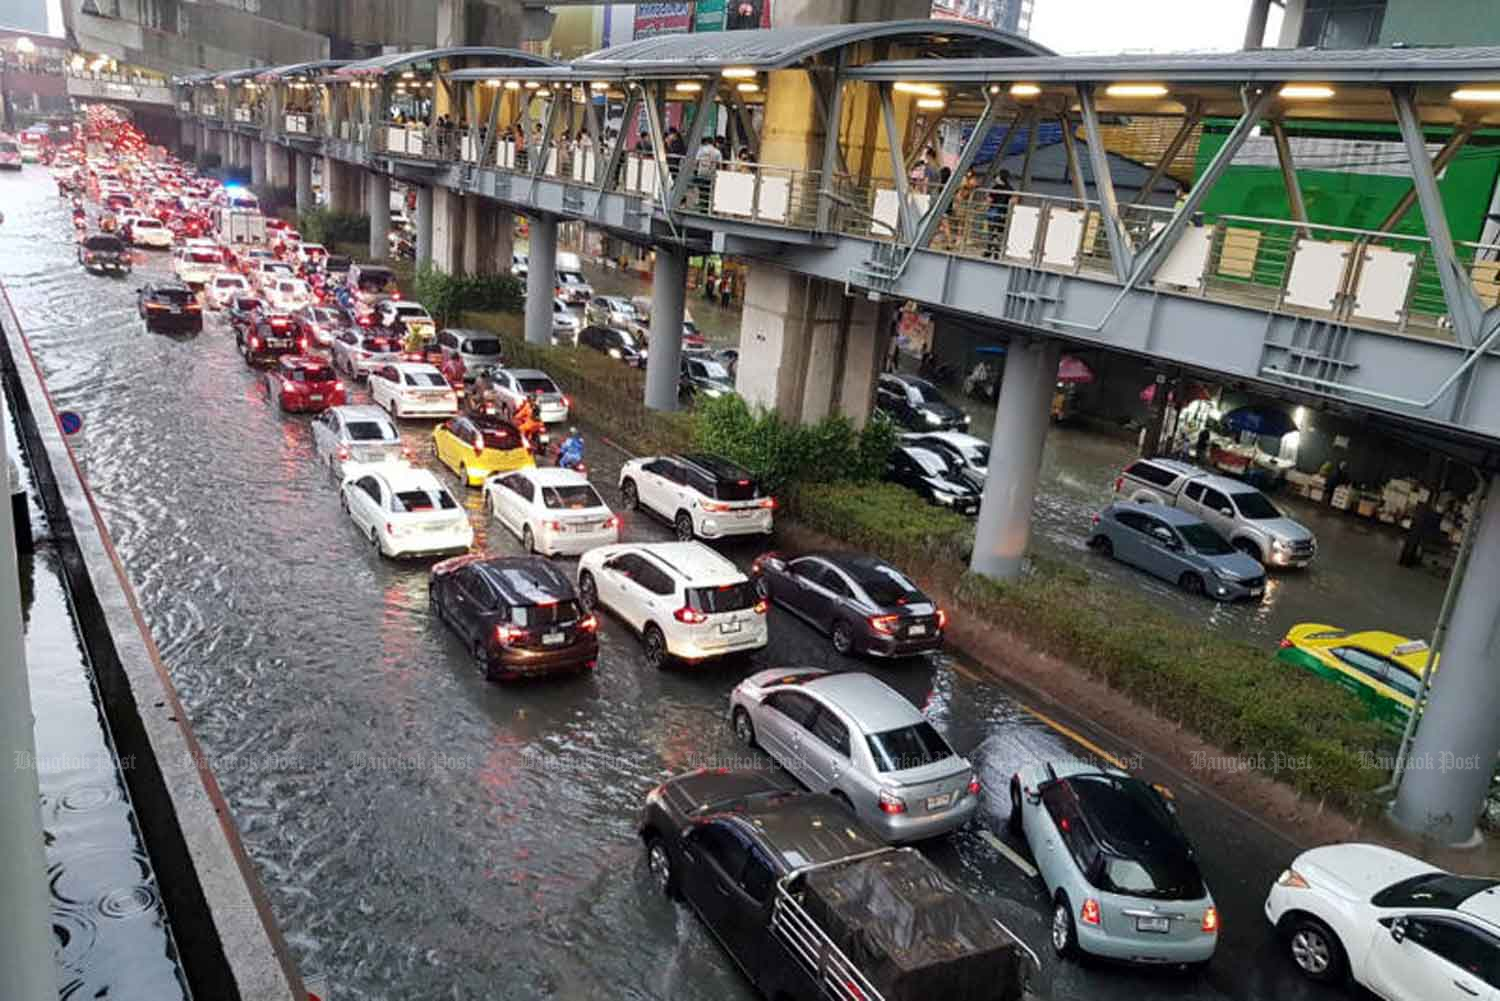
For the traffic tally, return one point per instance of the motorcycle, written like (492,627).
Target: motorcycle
(564,457)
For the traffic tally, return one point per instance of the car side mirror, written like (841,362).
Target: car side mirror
(1398,930)
(1226,512)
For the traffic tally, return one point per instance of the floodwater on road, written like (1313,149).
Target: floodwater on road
(423,833)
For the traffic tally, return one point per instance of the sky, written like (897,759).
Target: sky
(1098,26)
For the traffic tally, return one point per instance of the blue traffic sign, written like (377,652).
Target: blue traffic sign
(70,422)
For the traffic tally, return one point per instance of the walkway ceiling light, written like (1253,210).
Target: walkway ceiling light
(747,88)
(1136,90)
(599,85)
(512,85)
(738,73)
(920,89)
(1306,92)
(533,85)
(688,87)
(408,75)
(1021,90)
(544,92)
(931,103)
(1478,95)
(492,83)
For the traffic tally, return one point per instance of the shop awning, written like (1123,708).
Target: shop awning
(1269,421)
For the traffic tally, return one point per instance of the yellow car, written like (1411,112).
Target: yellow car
(476,448)
(1383,669)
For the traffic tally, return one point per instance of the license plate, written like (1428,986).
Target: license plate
(729,627)
(278,342)
(552,639)
(176,309)
(316,397)
(1156,926)
(938,802)
(1256,592)
(916,631)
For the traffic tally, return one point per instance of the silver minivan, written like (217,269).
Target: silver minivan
(476,348)
(853,736)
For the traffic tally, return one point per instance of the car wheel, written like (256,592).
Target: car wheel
(375,541)
(684,526)
(763,588)
(433,608)
(1191,583)
(1250,549)
(588,592)
(659,863)
(744,730)
(1013,822)
(1316,950)
(843,638)
(1105,546)
(1064,931)
(656,648)
(463,473)
(632,499)
(528,540)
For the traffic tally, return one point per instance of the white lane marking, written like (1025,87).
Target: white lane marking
(1010,853)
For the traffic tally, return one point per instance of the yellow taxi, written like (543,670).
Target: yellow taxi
(1385,670)
(477,447)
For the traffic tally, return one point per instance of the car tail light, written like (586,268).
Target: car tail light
(396,296)
(406,452)
(553,526)
(760,607)
(891,803)
(1119,483)
(1089,912)
(714,506)
(974,785)
(769,503)
(505,634)
(884,623)
(287,386)
(338,387)
(567,401)
(589,624)
(1094,520)
(1286,643)
(254,342)
(613,521)
(155,305)
(366,321)
(1211,921)
(942,619)
(691,616)
(343,454)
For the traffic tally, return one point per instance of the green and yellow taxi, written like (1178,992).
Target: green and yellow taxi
(1385,670)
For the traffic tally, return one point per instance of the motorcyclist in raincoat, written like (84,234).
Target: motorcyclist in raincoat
(570,452)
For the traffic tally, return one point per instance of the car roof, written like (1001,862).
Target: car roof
(416,366)
(363,412)
(717,467)
(1175,466)
(955,438)
(1116,808)
(805,828)
(526,580)
(1484,905)
(867,700)
(401,476)
(1170,515)
(471,334)
(529,373)
(303,361)
(696,563)
(551,476)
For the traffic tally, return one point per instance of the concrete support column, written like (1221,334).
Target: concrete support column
(278,167)
(664,355)
(203,146)
(1255,25)
(304,182)
(447,230)
(487,237)
(1293,12)
(257,164)
(26,944)
(452,23)
(378,202)
(866,334)
(842,358)
(1452,755)
(338,186)
(1021,421)
(541,278)
(424,225)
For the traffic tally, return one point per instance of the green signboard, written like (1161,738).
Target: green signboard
(708,15)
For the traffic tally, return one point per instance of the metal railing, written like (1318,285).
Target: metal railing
(754,192)
(834,972)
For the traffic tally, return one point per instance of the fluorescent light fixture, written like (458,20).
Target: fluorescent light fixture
(747,88)
(1307,92)
(738,73)
(931,103)
(492,83)
(544,92)
(1024,90)
(512,85)
(688,87)
(920,89)
(599,85)
(1478,95)
(1136,90)
(533,85)
(408,75)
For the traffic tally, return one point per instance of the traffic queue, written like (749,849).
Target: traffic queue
(805,874)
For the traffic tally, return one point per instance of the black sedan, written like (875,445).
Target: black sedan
(934,476)
(104,253)
(702,374)
(917,405)
(519,616)
(862,603)
(268,338)
(616,343)
(169,304)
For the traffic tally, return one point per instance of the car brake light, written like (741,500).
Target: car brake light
(1119,483)
(891,803)
(406,451)
(974,786)
(254,343)
(302,343)
(1211,921)
(1089,912)
(760,607)
(884,623)
(554,526)
(505,634)
(567,401)
(691,616)
(613,521)
(588,624)
(396,296)
(343,454)
(769,503)
(714,506)
(1286,643)
(942,619)
(1094,520)
(287,386)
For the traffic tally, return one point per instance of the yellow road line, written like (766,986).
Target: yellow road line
(1077,738)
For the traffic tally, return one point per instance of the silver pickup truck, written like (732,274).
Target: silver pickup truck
(1238,511)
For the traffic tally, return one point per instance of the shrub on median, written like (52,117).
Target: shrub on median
(328,228)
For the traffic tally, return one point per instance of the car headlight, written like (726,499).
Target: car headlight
(1279,545)
(1292,878)
(1223,574)
(966,420)
(931,418)
(713,394)
(943,497)
(614,352)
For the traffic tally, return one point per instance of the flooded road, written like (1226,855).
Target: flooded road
(422,833)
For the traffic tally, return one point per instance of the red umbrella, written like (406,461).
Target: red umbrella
(1072,370)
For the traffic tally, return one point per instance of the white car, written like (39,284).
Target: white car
(287,295)
(551,511)
(413,389)
(401,317)
(225,287)
(565,325)
(1394,924)
(195,266)
(511,385)
(311,254)
(266,273)
(148,232)
(352,435)
(358,352)
(684,600)
(404,511)
(700,496)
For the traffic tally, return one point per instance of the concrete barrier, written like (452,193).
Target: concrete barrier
(229,943)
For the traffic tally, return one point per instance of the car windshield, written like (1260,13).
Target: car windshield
(624,339)
(287,288)
(375,280)
(379,344)
(205,257)
(537,386)
(422,500)
(725,598)
(246,305)
(412,310)
(1205,540)
(503,438)
(932,463)
(1438,890)
(147,224)
(908,747)
(427,379)
(229,283)
(574,498)
(312,375)
(370,431)
(885,585)
(570,278)
(979,455)
(481,347)
(711,370)
(536,616)
(177,295)
(324,315)
(103,243)
(926,391)
(1254,506)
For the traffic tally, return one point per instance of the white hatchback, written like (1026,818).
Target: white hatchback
(148,232)
(413,389)
(686,601)
(225,288)
(404,511)
(551,511)
(287,295)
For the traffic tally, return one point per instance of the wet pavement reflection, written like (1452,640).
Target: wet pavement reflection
(421,832)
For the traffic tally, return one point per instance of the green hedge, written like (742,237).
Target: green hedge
(329,228)
(448,297)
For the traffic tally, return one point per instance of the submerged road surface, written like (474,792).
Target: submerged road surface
(423,833)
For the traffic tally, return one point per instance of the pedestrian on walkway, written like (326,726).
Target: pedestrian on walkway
(711,286)
(726,290)
(710,158)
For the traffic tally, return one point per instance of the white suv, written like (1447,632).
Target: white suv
(700,496)
(686,601)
